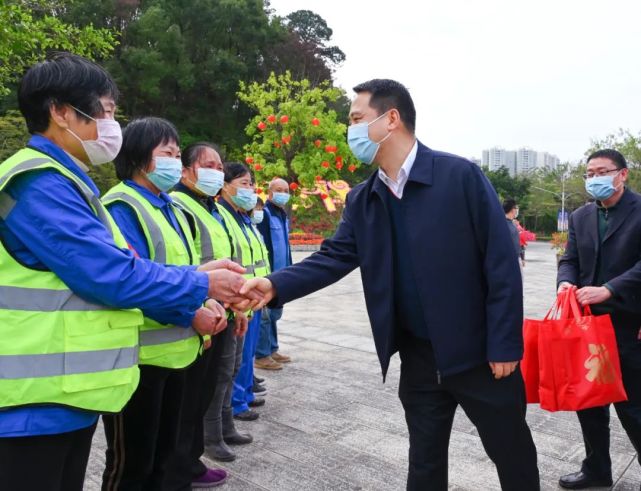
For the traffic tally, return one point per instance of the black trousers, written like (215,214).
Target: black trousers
(496,407)
(595,422)
(142,439)
(45,462)
(202,379)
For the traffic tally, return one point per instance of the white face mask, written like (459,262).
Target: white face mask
(104,148)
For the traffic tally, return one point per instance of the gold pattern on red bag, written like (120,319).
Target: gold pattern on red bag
(600,369)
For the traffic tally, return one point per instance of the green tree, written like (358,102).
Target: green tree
(13,134)
(294,134)
(30,30)
(507,186)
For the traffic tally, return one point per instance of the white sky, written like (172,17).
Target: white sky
(546,74)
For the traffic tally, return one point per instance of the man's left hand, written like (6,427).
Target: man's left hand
(589,295)
(502,369)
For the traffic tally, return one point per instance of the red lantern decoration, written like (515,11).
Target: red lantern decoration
(317,143)
(277,144)
(249,159)
(339,165)
(271,118)
(325,164)
(293,186)
(324,196)
(319,178)
(284,119)
(315,122)
(258,167)
(261,126)
(286,139)
(351,168)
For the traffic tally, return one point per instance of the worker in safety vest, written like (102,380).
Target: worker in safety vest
(141,440)
(70,287)
(238,198)
(202,179)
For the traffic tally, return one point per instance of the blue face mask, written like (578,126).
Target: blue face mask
(257,216)
(167,173)
(280,199)
(358,140)
(600,187)
(245,199)
(210,181)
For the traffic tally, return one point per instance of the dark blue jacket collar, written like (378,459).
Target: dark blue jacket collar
(422,171)
(46,146)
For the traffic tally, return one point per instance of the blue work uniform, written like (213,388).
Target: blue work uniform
(52,228)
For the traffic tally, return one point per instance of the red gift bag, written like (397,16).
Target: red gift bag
(577,356)
(530,361)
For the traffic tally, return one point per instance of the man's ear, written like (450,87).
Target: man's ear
(395,119)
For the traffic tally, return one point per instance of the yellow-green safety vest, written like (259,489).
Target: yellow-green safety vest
(252,253)
(162,345)
(57,348)
(211,238)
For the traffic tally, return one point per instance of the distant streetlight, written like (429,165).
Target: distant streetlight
(563,195)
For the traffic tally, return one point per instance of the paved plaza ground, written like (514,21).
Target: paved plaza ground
(331,424)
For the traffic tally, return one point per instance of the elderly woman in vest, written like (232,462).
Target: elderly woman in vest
(202,179)
(142,439)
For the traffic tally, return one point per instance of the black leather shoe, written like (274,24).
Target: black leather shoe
(220,451)
(248,415)
(580,480)
(257,402)
(236,438)
(258,380)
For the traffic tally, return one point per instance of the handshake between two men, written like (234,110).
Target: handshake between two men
(229,289)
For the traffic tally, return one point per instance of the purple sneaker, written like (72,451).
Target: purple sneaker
(210,479)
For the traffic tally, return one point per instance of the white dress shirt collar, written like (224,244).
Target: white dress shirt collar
(398,186)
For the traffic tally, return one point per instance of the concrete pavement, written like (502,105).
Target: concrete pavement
(331,424)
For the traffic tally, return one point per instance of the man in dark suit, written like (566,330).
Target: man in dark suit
(442,286)
(603,259)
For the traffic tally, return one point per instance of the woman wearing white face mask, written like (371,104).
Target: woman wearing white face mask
(142,439)
(238,198)
(202,180)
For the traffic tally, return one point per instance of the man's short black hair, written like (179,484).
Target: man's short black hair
(63,78)
(508,205)
(608,153)
(389,94)
(234,170)
(193,152)
(139,139)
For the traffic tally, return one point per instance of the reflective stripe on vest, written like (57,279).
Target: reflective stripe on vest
(206,245)
(166,335)
(159,247)
(87,193)
(57,364)
(43,300)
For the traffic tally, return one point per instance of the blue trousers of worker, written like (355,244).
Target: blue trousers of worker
(268,339)
(243,392)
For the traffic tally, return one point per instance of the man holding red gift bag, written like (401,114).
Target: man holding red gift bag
(603,260)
